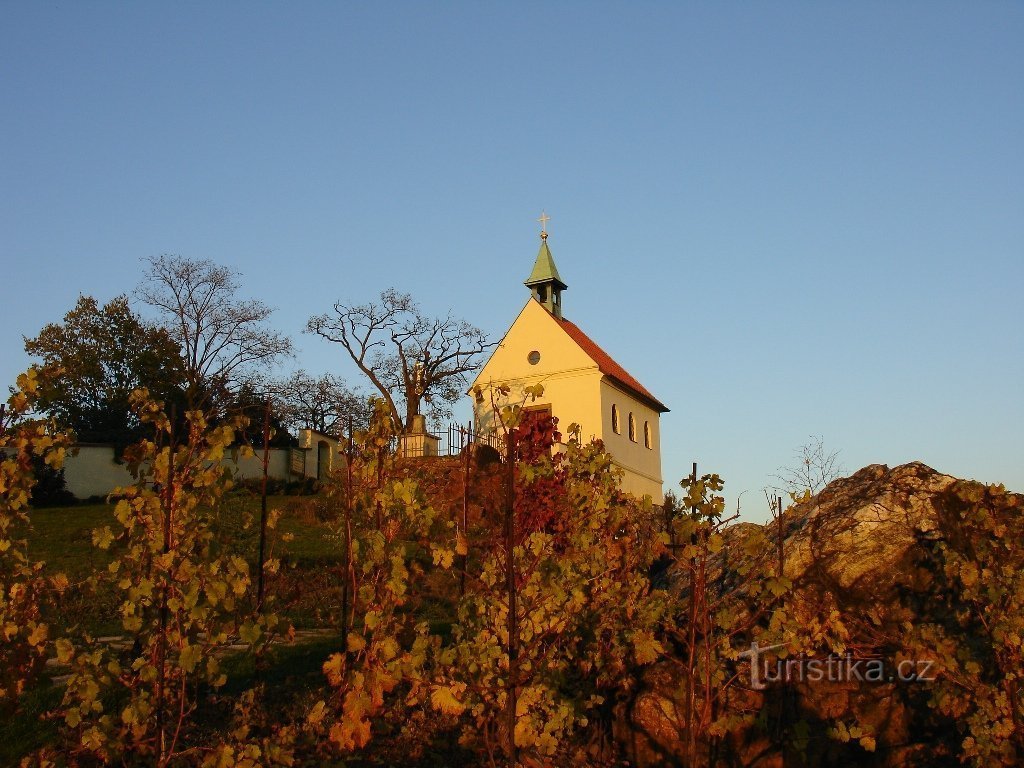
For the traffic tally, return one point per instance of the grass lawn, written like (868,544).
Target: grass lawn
(28,730)
(62,536)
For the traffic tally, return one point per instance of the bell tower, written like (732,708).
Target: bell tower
(544,282)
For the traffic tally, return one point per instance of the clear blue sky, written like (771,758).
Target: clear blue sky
(785,219)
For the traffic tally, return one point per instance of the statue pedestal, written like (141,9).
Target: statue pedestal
(417,441)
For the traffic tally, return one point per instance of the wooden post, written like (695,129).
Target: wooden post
(347,565)
(775,502)
(691,650)
(263,509)
(167,502)
(780,536)
(510,587)
(381,454)
(465,510)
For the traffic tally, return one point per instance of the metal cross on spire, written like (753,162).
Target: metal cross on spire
(544,219)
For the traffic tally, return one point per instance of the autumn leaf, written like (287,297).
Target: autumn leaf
(645,648)
(65,650)
(442,556)
(444,700)
(334,668)
(189,657)
(316,714)
(102,537)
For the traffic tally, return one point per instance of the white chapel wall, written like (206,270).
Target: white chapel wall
(641,464)
(569,377)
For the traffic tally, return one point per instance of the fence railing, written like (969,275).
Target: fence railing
(460,436)
(450,442)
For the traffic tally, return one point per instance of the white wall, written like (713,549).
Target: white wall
(571,379)
(251,467)
(642,465)
(576,391)
(92,471)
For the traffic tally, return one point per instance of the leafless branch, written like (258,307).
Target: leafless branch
(814,468)
(223,339)
(407,356)
(325,404)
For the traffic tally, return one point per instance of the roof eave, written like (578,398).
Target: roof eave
(651,402)
(561,286)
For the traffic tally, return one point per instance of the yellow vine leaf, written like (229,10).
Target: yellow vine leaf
(334,668)
(443,699)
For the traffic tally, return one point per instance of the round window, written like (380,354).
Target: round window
(533,357)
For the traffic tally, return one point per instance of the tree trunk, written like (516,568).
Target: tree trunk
(412,407)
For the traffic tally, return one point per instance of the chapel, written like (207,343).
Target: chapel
(582,383)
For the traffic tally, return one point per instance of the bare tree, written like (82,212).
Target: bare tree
(223,339)
(325,404)
(407,356)
(814,468)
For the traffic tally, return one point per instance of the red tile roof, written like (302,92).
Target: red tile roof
(609,367)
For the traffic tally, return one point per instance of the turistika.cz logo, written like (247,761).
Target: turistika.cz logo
(832,669)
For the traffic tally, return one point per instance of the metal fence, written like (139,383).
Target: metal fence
(450,442)
(460,436)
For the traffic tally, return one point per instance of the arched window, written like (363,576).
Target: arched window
(632,428)
(647,434)
(615,420)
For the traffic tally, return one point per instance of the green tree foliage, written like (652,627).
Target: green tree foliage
(103,354)
(50,489)
(248,410)
(23,587)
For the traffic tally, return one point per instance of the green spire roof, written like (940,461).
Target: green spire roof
(544,269)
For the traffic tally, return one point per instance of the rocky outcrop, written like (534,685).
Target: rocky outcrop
(858,536)
(858,550)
